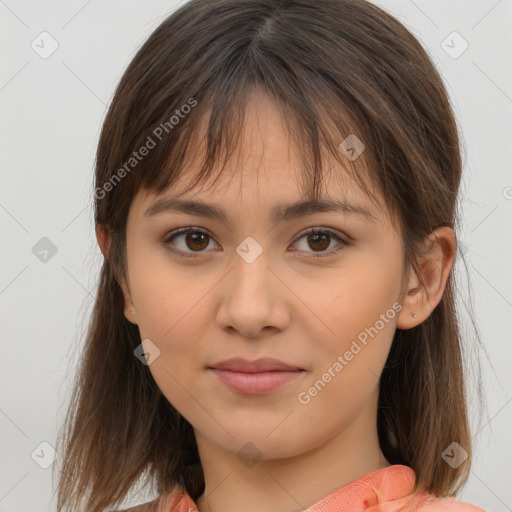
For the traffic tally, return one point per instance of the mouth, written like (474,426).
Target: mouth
(255,377)
(256,383)
(264,364)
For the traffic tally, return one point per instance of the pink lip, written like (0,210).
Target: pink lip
(256,383)
(264,364)
(255,377)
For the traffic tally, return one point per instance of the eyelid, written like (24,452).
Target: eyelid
(184,230)
(334,233)
(343,238)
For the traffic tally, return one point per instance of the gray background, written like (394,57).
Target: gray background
(51,113)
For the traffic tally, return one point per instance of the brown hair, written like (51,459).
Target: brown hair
(334,68)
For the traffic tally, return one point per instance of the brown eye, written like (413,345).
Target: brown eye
(318,240)
(187,241)
(192,242)
(196,241)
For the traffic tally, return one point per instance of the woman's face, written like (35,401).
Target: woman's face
(252,285)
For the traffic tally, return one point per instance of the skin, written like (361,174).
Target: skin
(305,311)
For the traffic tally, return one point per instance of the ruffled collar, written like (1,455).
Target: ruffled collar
(388,489)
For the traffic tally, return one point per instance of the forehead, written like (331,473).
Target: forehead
(229,203)
(266,170)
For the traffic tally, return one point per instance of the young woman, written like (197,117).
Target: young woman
(275,325)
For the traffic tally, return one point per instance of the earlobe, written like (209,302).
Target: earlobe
(411,313)
(130,313)
(103,238)
(129,308)
(435,266)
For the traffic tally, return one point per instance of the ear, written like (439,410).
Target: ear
(435,265)
(103,237)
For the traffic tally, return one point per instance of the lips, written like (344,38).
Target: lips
(256,377)
(265,364)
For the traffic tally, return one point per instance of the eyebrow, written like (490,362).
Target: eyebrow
(279,212)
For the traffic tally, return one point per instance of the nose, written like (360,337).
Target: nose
(253,296)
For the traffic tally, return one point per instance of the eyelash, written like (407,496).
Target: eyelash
(311,231)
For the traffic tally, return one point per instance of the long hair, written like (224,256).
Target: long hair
(334,68)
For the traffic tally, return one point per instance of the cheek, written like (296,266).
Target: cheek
(172,309)
(159,291)
(350,358)
(173,313)
(357,314)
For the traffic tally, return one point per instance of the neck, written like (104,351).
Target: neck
(289,484)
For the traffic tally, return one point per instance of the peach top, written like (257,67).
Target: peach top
(385,490)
